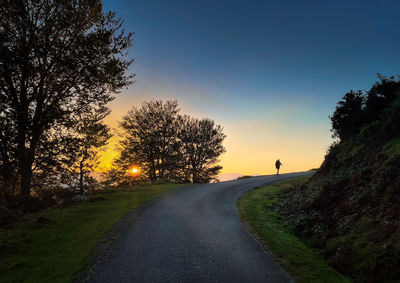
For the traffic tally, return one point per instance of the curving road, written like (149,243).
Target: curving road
(192,234)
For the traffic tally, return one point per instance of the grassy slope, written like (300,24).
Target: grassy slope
(57,251)
(357,193)
(256,210)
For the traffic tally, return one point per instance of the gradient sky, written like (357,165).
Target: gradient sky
(270,72)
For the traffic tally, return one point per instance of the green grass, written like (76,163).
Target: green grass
(392,147)
(57,251)
(256,210)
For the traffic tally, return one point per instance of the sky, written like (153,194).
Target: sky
(269,72)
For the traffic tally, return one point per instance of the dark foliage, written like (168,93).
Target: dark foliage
(350,207)
(166,145)
(358,109)
(58,60)
(348,116)
(82,154)
(199,146)
(150,139)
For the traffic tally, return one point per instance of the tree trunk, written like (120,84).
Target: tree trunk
(153,173)
(194,178)
(14,183)
(25,155)
(81,177)
(26,176)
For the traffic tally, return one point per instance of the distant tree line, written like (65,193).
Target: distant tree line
(372,114)
(167,146)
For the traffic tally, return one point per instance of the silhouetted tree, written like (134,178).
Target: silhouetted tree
(51,155)
(8,169)
(361,109)
(90,135)
(348,115)
(200,145)
(150,138)
(57,59)
(381,95)
(167,145)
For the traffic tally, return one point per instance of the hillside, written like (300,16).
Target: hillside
(350,208)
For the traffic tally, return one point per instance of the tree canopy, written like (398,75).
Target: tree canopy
(359,111)
(58,59)
(167,145)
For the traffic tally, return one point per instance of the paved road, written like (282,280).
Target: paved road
(193,234)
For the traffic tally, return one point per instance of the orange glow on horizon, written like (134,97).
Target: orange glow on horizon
(299,147)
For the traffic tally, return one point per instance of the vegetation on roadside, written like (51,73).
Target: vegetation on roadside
(350,208)
(61,64)
(54,244)
(257,210)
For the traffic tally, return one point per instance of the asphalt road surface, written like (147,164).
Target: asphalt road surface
(192,234)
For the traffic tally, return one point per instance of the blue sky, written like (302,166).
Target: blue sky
(270,72)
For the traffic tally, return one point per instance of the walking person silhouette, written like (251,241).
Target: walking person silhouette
(278,166)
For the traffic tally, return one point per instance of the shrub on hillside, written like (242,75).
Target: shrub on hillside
(361,108)
(350,207)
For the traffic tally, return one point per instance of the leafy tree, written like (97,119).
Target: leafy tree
(348,115)
(82,156)
(167,145)
(58,59)
(200,145)
(150,138)
(380,96)
(361,109)
(51,154)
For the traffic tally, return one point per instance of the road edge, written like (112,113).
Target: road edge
(106,245)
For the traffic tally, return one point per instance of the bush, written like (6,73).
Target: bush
(7,217)
(359,109)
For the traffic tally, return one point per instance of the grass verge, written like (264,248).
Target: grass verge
(256,209)
(56,250)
